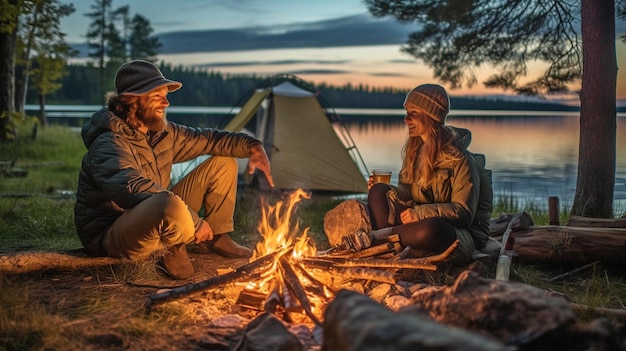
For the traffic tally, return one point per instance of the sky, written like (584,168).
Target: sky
(378,62)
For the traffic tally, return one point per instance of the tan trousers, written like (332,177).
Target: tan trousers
(164,219)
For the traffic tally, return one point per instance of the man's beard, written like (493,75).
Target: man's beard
(153,121)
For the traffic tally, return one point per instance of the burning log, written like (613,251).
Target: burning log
(293,284)
(411,263)
(252,300)
(249,271)
(273,298)
(310,277)
(356,273)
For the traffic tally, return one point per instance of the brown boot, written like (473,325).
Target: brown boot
(223,245)
(176,262)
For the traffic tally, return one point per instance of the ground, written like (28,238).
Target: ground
(103,308)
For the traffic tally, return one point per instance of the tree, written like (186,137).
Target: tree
(8,39)
(456,36)
(98,35)
(47,71)
(112,46)
(143,46)
(39,32)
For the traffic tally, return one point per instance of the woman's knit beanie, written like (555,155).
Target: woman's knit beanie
(432,99)
(140,77)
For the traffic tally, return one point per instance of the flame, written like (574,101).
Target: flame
(281,236)
(276,232)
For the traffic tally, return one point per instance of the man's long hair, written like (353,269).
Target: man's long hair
(125,107)
(419,157)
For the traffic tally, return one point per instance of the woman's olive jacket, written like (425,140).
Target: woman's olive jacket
(461,194)
(123,166)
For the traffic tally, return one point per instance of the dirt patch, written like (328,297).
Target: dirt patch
(103,308)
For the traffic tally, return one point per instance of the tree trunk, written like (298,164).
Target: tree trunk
(43,119)
(21,85)
(598,117)
(8,41)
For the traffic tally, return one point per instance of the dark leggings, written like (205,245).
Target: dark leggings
(426,237)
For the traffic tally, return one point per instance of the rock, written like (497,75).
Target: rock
(347,217)
(515,313)
(268,333)
(353,321)
(380,291)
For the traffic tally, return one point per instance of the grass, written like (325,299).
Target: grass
(39,216)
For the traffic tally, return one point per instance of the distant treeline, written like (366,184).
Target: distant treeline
(202,88)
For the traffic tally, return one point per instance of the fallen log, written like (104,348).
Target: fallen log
(550,244)
(579,221)
(30,261)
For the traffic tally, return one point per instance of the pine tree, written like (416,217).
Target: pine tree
(143,46)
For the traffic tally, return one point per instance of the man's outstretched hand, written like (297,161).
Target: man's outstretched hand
(259,160)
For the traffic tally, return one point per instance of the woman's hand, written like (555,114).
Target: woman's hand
(204,233)
(408,216)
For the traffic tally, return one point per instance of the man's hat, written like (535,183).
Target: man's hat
(141,77)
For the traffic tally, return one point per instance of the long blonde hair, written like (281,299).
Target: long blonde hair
(419,158)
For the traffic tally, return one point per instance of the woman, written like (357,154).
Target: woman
(437,198)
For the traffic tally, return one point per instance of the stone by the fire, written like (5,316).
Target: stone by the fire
(509,311)
(355,322)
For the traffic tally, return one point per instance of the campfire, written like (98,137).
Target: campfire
(288,276)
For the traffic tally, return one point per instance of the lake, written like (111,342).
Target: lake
(532,154)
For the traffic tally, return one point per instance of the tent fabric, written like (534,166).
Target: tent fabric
(302,144)
(247,111)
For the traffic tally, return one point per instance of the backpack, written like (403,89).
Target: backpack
(480,226)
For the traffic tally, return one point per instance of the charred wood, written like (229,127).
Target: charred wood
(293,284)
(249,271)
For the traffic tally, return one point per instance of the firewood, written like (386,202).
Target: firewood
(411,263)
(273,298)
(310,277)
(375,250)
(293,284)
(290,303)
(251,299)
(248,271)
(354,273)
(425,263)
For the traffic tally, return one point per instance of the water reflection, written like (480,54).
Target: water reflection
(532,157)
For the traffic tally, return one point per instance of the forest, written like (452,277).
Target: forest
(212,88)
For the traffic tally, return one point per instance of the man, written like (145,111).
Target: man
(124,205)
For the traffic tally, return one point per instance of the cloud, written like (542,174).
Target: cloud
(271,63)
(347,31)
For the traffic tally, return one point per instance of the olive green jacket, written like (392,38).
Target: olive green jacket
(456,196)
